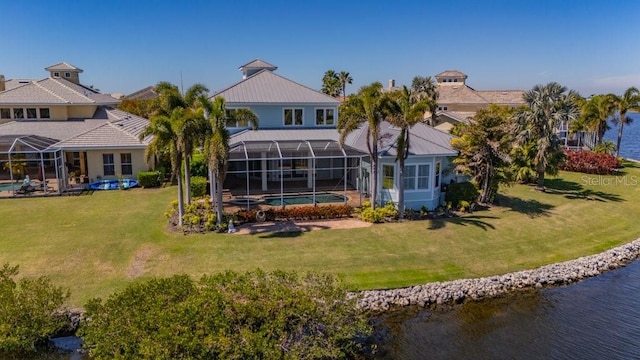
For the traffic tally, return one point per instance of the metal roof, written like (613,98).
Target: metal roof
(257,64)
(265,87)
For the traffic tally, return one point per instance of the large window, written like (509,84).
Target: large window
(44,113)
(5,113)
(423,177)
(108,165)
(18,113)
(292,117)
(410,177)
(387,176)
(126,166)
(32,113)
(324,117)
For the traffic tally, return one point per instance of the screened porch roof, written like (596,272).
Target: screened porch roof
(24,144)
(281,144)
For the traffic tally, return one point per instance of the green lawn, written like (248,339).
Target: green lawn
(99,243)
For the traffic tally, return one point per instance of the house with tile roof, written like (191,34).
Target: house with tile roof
(95,139)
(296,148)
(458,102)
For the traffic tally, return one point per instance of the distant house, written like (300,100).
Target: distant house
(94,140)
(458,102)
(296,148)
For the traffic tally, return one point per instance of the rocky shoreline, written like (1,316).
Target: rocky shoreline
(457,291)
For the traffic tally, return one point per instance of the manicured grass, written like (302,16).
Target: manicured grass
(99,243)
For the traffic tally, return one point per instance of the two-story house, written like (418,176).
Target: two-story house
(57,126)
(296,149)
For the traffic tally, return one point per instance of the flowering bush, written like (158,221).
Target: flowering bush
(589,162)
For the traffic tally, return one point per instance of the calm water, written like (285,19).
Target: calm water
(630,146)
(596,319)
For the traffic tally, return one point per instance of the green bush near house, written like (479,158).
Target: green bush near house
(463,191)
(198,186)
(28,311)
(149,179)
(252,315)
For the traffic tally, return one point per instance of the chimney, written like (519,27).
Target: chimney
(392,84)
(2,88)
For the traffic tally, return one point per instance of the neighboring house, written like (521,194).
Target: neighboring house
(458,102)
(296,148)
(96,140)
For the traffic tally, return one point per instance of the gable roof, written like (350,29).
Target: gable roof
(63,66)
(147,93)
(257,64)
(109,128)
(451,73)
(425,140)
(459,94)
(266,87)
(54,91)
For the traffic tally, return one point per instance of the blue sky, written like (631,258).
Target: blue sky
(589,46)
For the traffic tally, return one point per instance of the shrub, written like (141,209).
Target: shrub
(198,186)
(380,214)
(590,162)
(29,311)
(255,315)
(198,165)
(463,191)
(149,179)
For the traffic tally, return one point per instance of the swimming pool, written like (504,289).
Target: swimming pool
(301,199)
(8,186)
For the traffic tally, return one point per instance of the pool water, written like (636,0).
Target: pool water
(9,187)
(301,199)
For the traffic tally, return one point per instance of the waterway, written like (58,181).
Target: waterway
(598,318)
(630,146)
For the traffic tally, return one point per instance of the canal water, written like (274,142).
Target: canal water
(630,146)
(598,318)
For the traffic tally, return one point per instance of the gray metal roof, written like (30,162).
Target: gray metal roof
(107,129)
(424,140)
(265,87)
(258,64)
(147,93)
(50,91)
(63,66)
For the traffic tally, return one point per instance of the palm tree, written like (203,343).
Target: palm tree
(369,106)
(426,88)
(406,112)
(331,83)
(548,106)
(344,79)
(217,146)
(595,113)
(166,140)
(629,101)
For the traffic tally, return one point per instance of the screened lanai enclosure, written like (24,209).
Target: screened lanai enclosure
(282,172)
(29,164)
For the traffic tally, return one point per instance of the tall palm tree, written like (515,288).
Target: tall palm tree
(406,111)
(426,88)
(548,106)
(217,146)
(192,133)
(595,113)
(331,83)
(166,140)
(369,106)
(344,79)
(629,101)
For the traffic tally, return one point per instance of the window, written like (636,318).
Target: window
(31,113)
(410,177)
(455,80)
(387,176)
(67,74)
(324,117)
(108,165)
(442,108)
(125,164)
(56,74)
(44,113)
(437,175)
(18,113)
(75,158)
(292,117)
(232,121)
(5,113)
(423,177)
